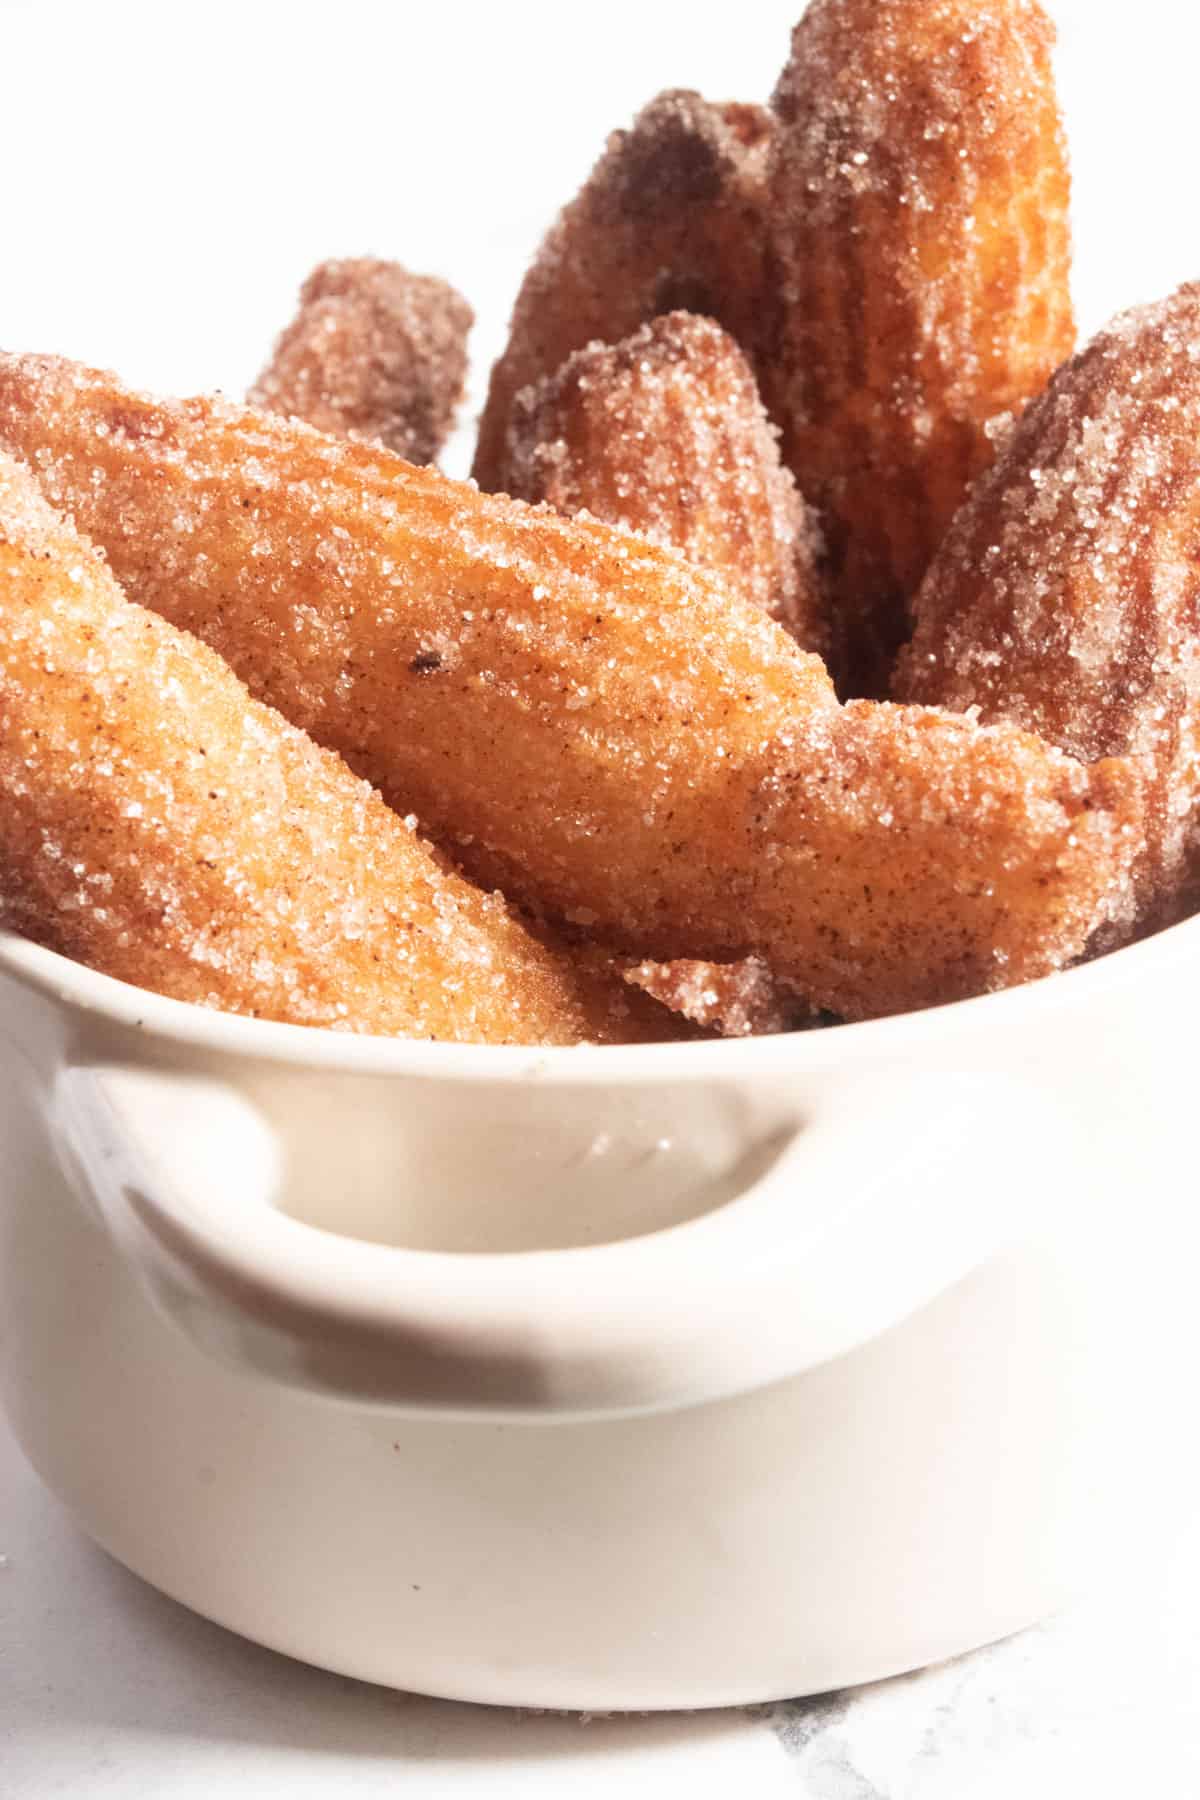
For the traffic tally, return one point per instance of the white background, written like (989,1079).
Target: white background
(169,174)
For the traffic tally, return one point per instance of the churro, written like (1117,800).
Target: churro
(665,433)
(374,352)
(920,263)
(583,719)
(670,217)
(740,999)
(161,826)
(1064,597)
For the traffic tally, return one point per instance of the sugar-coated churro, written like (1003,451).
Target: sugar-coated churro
(665,433)
(373,352)
(919,285)
(1065,597)
(160,825)
(585,720)
(740,999)
(671,216)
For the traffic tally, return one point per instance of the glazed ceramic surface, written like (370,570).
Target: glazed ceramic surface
(666,1376)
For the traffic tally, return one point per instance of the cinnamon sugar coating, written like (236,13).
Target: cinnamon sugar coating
(582,718)
(1066,596)
(920,248)
(740,999)
(159,825)
(670,217)
(374,353)
(665,434)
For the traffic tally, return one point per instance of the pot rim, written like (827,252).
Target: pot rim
(184,1024)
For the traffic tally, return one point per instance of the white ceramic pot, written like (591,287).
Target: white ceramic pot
(648,1377)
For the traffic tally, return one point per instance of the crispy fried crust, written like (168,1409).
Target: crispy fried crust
(921,254)
(586,720)
(665,433)
(161,826)
(1066,596)
(373,353)
(671,216)
(740,999)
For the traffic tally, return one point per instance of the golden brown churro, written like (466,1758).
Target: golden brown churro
(584,719)
(161,826)
(1065,597)
(740,999)
(665,433)
(373,353)
(670,217)
(921,251)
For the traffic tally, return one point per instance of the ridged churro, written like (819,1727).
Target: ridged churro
(586,720)
(374,352)
(920,251)
(670,217)
(665,433)
(1066,597)
(161,826)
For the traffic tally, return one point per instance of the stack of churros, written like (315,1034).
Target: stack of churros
(810,645)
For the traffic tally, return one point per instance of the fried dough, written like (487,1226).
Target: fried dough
(161,826)
(585,720)
(920,264)
(665,433)
(1066,597)
(374,352)
(670,217)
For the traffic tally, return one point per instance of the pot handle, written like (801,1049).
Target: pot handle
(869,1207)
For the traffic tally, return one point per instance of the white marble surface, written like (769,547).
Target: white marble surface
(110,1692)
(180,170)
